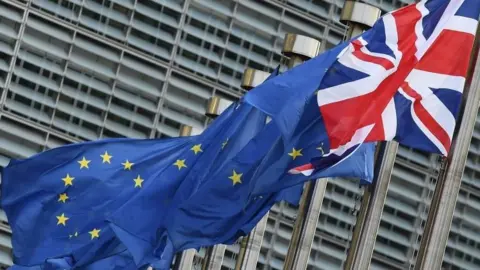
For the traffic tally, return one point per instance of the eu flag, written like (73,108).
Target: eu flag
(57,202)
(144,200)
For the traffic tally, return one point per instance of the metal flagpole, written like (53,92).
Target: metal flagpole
(254,244)
(184,260)
(251,244)
(435,236)
(214,258)
(299,49)
(214,255)
(215,107)
(359,17)
(304,245)
(370,213)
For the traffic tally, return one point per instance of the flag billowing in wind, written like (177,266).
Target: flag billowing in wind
(401,80)
(127,204)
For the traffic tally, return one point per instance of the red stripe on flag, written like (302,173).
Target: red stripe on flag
(426,118)
(385,63)
(302,168)
(377,133)
(447,55)
(412,93)
(357,45)
(343,118)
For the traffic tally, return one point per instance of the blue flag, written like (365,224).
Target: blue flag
(290,100)
(79,204)
(121,260)
(212,204)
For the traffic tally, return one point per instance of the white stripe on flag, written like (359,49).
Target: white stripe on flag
(462,24)
(389,121)
(422,127)
(449,12)
(435,80)
(358,137)
(419,26)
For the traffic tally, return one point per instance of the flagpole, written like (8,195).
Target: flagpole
(214,255)
(359,17)
(216,106)
(251,244)
(214,258)
(184,260)
(254,244)
(299,49)
(368,221)
(437,228)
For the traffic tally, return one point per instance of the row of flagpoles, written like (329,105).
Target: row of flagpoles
(440,215)
(214,255)
(358,17)
(313,191)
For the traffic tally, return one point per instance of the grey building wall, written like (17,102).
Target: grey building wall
(88,69)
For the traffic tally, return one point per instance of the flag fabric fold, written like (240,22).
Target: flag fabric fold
(401,80)
(214,203)
(78,204)
(147,199)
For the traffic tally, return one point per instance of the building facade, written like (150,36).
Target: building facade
(81,70)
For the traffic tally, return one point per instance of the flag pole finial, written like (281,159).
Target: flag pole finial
(358,17)
(300,48)
(253,77)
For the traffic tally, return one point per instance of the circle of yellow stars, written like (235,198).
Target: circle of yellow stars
(68,180)
(106,158)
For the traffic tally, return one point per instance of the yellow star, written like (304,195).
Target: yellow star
(68,180)
(63,197)
(236,178)
(180,163)
(138,181)
(197,148)
(224,144)
(83,163)
(320,148)
(95,233)
(295,153)
(106,158)
(127,165)
(62,220)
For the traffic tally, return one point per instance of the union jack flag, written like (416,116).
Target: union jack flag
(401,80)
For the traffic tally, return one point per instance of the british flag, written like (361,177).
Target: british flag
(401,80)
(409,73)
